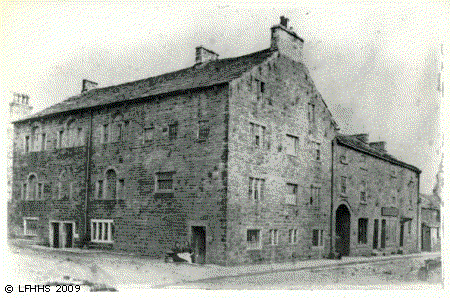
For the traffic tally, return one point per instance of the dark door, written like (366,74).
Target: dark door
(383,234)
(69,234)
(426,239)
(375,234)
(199,244)
(402,230)
(55,226)
(343,231)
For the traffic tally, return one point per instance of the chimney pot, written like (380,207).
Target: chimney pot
(203,55)
(284,21)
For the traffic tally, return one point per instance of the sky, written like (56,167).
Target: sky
(375,63)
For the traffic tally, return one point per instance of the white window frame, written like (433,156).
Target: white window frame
(293,236)
(256,188)
(320,240)
(291,198)
(260,131)
(273,234)
(25,230)
(292,151)
(95,233)
(254,245)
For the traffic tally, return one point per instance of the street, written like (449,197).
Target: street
(120,272)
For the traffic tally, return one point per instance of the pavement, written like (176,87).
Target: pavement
(126,271)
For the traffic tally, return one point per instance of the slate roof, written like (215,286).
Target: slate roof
(358,145)
(209,74)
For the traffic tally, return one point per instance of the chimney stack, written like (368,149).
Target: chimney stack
(87,85)
(363,137)
(380,146)
(203,55)
(286,41)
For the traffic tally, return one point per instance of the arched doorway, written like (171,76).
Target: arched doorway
(342,244)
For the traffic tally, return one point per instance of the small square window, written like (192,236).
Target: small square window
(291,145)
(164,181)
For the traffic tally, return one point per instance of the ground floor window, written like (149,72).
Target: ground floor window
(274,237)
(30,226)
(362,230)
(102,230)
(317,238)
(253,239)
(293,236)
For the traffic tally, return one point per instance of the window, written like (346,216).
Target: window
(111,185)
(362,193)
(119,132)
(362,230)
(121,189)
(316,151)
(80,137)
(164,181)
(291,145)
(173,130)
(102,230)
(253,239)
(32,188)
(30,226)
(99,189)
(258,135)
(24,192)
(40,191)
(203,130)
(311,112)
(393,197)
(43,142)
(149,133)
(317,240)
(291,197)
(343,158)
(260,89)
(315,195)
(60,139)
(27,144)
(293,236)
(256,189)
(273,237)
(105,133)
(343,185)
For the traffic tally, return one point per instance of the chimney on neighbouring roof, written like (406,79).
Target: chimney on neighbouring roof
(285,40)
(203,55)
(363,137)
(380,146)
(87,85)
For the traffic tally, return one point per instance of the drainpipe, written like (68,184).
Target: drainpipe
(87,174)
(332,198)
(419,240)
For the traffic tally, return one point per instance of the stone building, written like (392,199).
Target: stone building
(430,223)
(234,155)
(375,199)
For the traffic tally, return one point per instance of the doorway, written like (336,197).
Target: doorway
(426,238)
(55,226)
(199,243)
(342,244)
(383,234)
(375,234)
(69,234)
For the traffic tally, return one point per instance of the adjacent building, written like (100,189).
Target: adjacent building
(240,156)
(430,220)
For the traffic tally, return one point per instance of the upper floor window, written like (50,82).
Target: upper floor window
(311,112)
(393,197)
(203,130)
(120,129)
(256,189)
(273,237)
(105,134)
(411,193)
(363,192)
(32,189)
(149,132)
(291,197)
(344,157)
(173,130)
(344,185)
(164,181)
(316,151)
(43,142)
(291,145)
(258,133)
(111,185)
(315,195)
(260,88)
(60,139)
(27,144)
